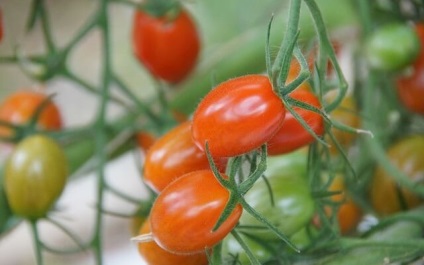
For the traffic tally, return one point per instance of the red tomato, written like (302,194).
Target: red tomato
(168,47)
(185,212)
(238,116)
(20,106)
(292,135)
(1,25)
(173,155)
(155,255)
(410,88)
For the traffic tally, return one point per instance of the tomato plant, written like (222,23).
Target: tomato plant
(184,214)
(386,196)
(155,255)
(173,155)
(238,116)
(35,175)
(292,135)
(20,107)
(289,204)
(392,47)
(410,86)
(167,45)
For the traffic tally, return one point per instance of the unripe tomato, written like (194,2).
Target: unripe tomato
(292,135)
(185,212)
(386,196)
(155,255)
(392,47)
(19,107)
(167,46)
(173,155)
(293,203)
(238,116)
(35,175)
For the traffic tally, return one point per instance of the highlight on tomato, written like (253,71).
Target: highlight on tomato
(153,254)
(173,155)
(392,47)
(183,216)
(34,177)
(20,107)
(292,135)
(385,194)
(410,85)
(238,116)
(168,45)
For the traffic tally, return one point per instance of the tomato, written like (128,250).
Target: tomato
(293,203)
(185,212)
(19,107)
(392,47)
(173,155)
(292,135)
(346,113)
(35,175)
(155,255)
(167,46)
(232,251)
(349,214)
(1,25)
(410,86)
(386,196)
(238,116)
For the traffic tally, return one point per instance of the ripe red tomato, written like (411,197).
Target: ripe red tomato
(386,196)
(1,25)
(155,255)
(410,87)
(19,108)
(35,175)
(185,212)
(167,47)
(238,116)
(173,155)
(292,135)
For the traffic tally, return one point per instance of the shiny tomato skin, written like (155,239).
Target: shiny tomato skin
(155,255)
(184,214)
(410,87)
(167,47)
(292,135)
(19,107)
(385,194)
(35,175)
(238,116)
(173,155)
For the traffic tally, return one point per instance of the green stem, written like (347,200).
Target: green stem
(37,242)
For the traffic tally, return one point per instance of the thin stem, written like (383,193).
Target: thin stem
(37,242)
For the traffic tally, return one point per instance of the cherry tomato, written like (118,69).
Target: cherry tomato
(167,46)
(392,47)
(1,25)
(347,114)
(293,206)
(155,255)
(386,196)
(35,175)
(20,106)
(349,214)
(238,116)
(410,87)
(185,212)
(173,155)
(292,135)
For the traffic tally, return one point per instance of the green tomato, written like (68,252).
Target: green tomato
(34,177)
(392,47)
(293,204)
(232,251)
